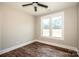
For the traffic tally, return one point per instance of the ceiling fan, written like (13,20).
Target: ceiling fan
(35,4)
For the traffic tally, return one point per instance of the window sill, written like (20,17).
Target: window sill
(54,38)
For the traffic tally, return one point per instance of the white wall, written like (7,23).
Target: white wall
(70,28)
(0,31)
(0,28)
(78,27)
(18,27)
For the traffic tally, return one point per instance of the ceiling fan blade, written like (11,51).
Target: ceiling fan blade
(42,5)
(35,8)
(27,4)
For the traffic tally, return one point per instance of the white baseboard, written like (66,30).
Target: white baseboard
(15,47)
(59,45)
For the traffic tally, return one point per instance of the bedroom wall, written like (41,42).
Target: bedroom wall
(18,27)
(78,29)
(0,27)
(70,28)
(0,32)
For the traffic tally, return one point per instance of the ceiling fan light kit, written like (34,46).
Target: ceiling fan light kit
(36,4)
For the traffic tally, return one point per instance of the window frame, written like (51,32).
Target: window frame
(50,28)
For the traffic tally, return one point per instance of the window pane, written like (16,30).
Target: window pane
(57,26)
(45,27)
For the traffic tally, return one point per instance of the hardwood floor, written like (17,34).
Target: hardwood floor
(37,49)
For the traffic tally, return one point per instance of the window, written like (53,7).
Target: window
(45,28)
(53,25)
